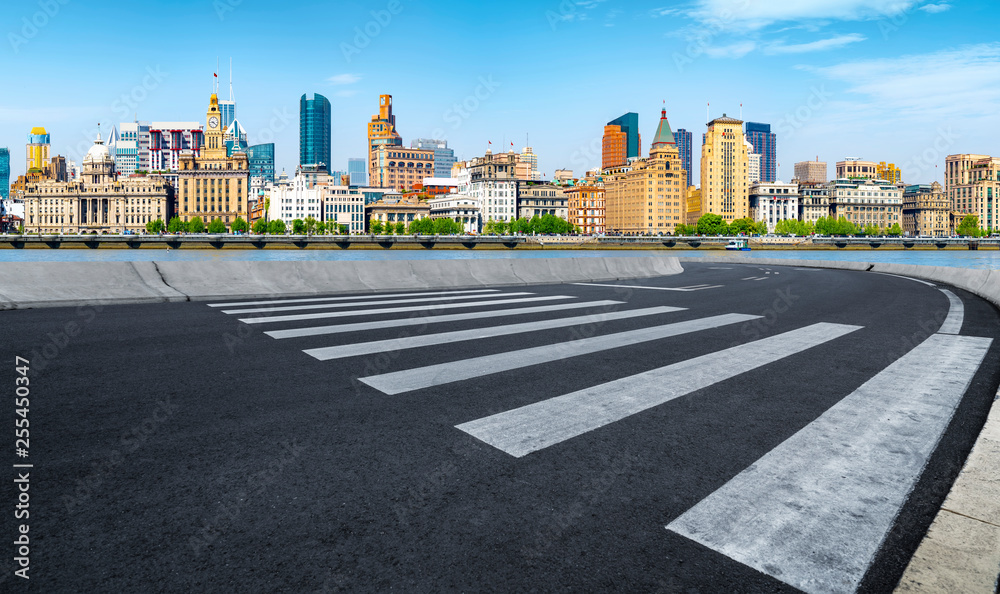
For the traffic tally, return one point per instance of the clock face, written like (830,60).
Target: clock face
(213,122)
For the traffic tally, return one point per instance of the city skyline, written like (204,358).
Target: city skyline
(831,81)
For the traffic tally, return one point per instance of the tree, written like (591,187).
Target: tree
(760,228)
(422,226)
(741,227)
(155,226)
(216,226)
(322,227)
(276,227)
(682,229)
(196,225)
(260,226)
(712,224)
(309,224)
(445,226)
(969,227)
(176,225)
(894,231)
(400,228)
(375,227)
(298,227)
(240,225)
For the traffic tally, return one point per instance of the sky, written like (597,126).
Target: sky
(901,81)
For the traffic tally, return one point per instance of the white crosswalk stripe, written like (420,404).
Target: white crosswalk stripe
(536,426)
(813,511)
(410,342)
(388,310)
(354,297)
(681,289)
(423,320)
(435,375)
(278,308)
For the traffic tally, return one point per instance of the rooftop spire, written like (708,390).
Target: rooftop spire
(664,136)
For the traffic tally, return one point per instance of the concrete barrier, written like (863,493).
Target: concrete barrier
(51,284)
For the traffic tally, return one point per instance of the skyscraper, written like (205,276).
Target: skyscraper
(724,170)
(390,164)
(4,173)
(37,150)
(621,140)
(314,131)
(763,141)
(683,138)
(261,161)
(444,157)
(357,169)
(227,108)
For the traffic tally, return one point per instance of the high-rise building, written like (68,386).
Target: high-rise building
(621,141)
(889,172)
(811,171)
(724,170)
(314,131)
(444,157)
(492,181)
(684,140)
(381,133)
(227,107)
(647,196)
(235,138)
(38,150)
(972,184)
(529,158)
(260,158)
(764,144)
(753,165)
(213,185)
(357,169)
(856,169)
(167,140)
(4,173)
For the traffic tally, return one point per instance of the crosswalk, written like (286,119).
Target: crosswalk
(812,512)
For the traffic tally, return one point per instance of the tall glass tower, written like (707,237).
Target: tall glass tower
(763,141)
(629,124)
(683,138)
(314,131)
(4,173)
(261,161)
(357,168)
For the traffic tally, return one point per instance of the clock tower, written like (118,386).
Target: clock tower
(213,185)
(215,146)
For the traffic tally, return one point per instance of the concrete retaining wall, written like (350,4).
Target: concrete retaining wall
(53,284)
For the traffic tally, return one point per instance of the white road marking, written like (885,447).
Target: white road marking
(692,288)
(307,300)
(365,303)
(410,342)
(718,268)
(421,320)
(761,278)
(956,314)
(387,310)
(814,511)
(916,280)
(445,373)
(537,426)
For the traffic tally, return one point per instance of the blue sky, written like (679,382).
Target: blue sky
(897,80)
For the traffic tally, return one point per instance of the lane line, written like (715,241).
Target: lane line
(956,314)
(364,303)
(435,375)
(530,428)
(421,320)
(307,300)
(814,511)
(411,342)
(695,288)
(386,310)
(916,280)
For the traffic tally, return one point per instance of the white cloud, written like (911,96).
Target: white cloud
(344,79)
(955,83)
(736,50)
(935,8)
(756,14)
(814,46)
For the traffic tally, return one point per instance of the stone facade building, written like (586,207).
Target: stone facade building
(98,202)
(537,199)
(725,170)
(926,211)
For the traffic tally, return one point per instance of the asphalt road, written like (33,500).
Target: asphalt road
(766,429)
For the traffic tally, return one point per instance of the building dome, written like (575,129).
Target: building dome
(98,153)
